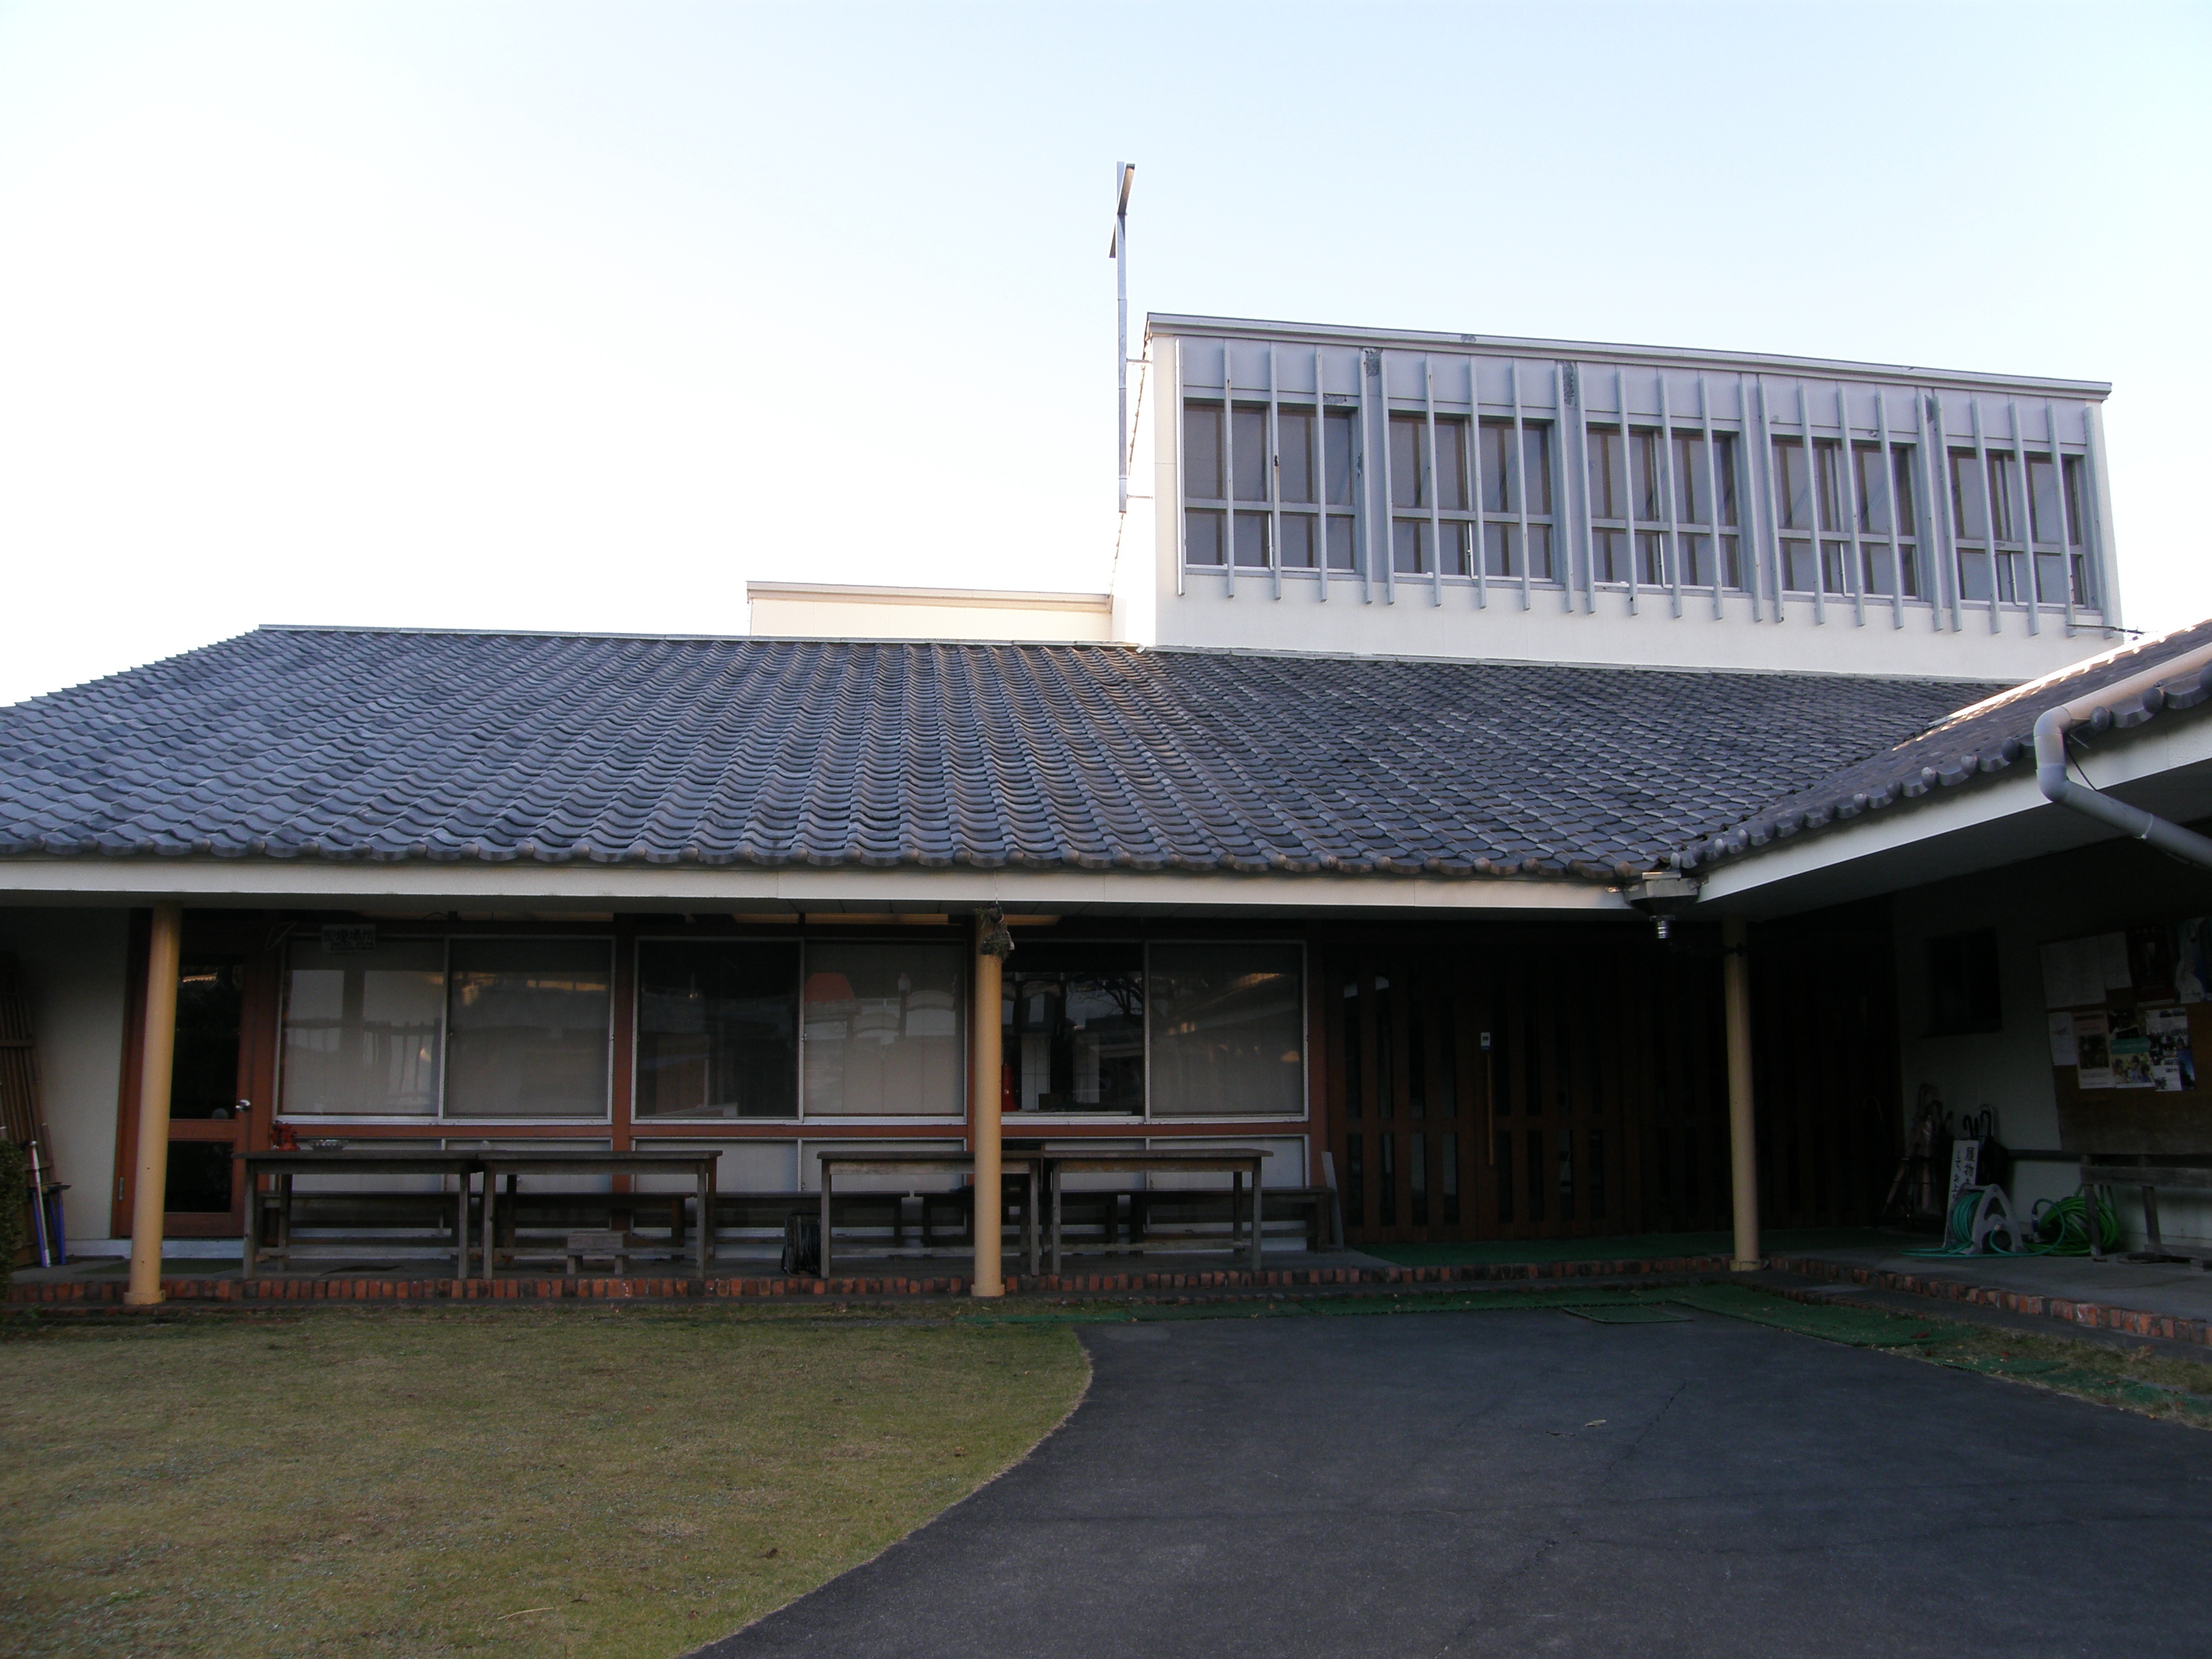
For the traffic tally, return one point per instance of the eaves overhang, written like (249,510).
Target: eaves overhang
(315,883)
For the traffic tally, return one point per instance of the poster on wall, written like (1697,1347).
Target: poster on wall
(2063,1051)
(2192,959)
(2130,1053)
(2079,970)
(2172,1067)
(2091,1043)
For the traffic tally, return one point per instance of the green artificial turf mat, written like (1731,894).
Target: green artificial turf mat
(1627,1314)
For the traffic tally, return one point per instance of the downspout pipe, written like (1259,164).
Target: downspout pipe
(2095,711)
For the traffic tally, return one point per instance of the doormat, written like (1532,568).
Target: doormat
(1626,1313)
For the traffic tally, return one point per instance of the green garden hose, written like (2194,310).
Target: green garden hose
(2058,1226)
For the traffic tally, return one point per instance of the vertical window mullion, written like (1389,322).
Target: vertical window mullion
(2065,518)
(1274,464)
(1435,483)
(1627,480)
(1713,492)
(1228,470)
(1848,457)
(1988,515)
(1896,512)
(1942,531)
(1772,540)
(1319,448)
(1590,505)
(2027,519)
(1478,546)
(1813,500)
(1519,475)
(1381,378)
(1672,547)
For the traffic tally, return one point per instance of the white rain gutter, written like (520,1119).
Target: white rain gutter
(2095,711)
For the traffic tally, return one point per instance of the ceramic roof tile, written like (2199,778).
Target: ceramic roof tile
(337,742)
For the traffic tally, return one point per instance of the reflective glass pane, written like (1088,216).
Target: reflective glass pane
(1249,431)
(361,1029)
(1252,540)
(526,1027)
(1908,569)
(1651,559)
(1968,516)
(1201,452)
(2004,487)
(1540,553)
(1409,546)
(2050,578)
(1536,475)
(1901,494)
(1300,541)
(1732,562)
(1342,543)
(1647,484)
(1692,496)
(1724,473)
(1696,554)
(1498,550)
(1874,569)
(1227,1030)
(1973,574)
(2043,497)
(1294,439)
(1201,535)
(1871,488)
(1337,432)
(1609,555)
(1793,485)
(1459,546)
(2075,472)
(1496,438)
(1605,490)
(1074,1029)
(882,1028)
(717,1028)
(1798,576)
(1451,465)
(1408,454)
(1829,458)
(1835,567)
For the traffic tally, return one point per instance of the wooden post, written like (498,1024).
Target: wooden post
(157,1054)
(991,946)
(1744,1146)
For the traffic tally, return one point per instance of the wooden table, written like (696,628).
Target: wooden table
(1240,1163)
(1022,1163)
(395,1160)
(571,1160)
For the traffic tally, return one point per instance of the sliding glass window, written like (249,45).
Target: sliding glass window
(527,1028)
(1228,1031)
(882,1026)
(717,1028)
(1074,1029)
(363,1031)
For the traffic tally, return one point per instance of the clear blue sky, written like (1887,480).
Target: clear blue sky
(578,315)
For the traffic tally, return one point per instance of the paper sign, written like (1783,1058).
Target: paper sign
(2063,1049)
(2112,956)
(1965,1168)
(2172,1066)
(2093,1045)
(2130,1053)
(2072,974)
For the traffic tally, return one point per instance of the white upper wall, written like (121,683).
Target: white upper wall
(1517,447)
(821,611)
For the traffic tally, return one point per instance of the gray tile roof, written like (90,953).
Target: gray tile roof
(342,744)
(1977,742)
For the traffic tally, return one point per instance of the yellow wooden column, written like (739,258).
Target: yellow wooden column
(157,1053)
(992,945)
(1743,1144)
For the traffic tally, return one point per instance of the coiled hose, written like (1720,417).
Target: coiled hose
(2059,1226)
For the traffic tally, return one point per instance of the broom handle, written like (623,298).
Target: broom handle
(39,1206)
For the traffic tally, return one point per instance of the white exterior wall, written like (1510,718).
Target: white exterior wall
(74,964)
(810,612)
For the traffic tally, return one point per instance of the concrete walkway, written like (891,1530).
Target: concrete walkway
(2172,1289)
(1443,1484)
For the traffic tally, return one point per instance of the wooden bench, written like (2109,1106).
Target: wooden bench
(1162,1219)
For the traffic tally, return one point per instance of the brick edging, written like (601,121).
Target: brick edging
(2099,1316)
(109,1292)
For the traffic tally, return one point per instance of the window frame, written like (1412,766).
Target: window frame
(440,1117)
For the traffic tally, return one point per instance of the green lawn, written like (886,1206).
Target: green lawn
(519,1482)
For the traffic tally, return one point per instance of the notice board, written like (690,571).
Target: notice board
(2130,1013)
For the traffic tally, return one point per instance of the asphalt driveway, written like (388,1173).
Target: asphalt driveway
(1529,1482)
